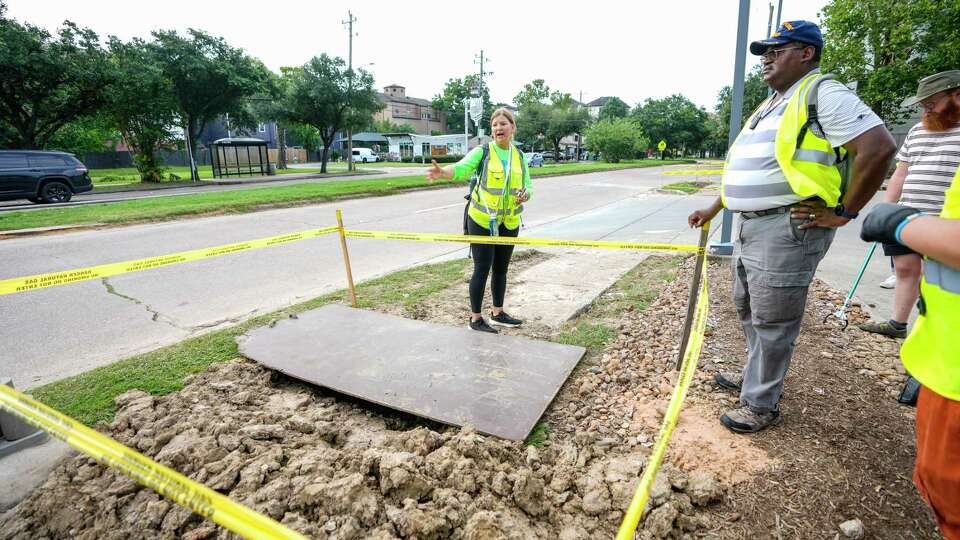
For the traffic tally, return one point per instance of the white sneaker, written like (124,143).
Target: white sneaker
(890,282)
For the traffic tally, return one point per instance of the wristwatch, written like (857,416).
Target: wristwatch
(841,211)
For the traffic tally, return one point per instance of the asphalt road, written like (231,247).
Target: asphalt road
(56,332)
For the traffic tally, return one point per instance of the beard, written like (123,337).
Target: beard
(942,121)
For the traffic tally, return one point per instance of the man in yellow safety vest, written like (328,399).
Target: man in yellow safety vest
(783,177)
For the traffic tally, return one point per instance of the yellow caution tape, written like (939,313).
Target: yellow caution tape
(165,481)
(510,241)
(704,171)
(53,279)
(690,360)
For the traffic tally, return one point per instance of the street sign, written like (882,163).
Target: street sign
(662,145)
(476,109)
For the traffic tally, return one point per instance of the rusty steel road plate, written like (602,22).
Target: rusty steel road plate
(499,384)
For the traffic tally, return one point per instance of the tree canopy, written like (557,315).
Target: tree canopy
(614,108)
(887,47)
(451,102)
(325,94)
(48,81)
(674,119)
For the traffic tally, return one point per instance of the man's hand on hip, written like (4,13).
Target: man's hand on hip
(817,214)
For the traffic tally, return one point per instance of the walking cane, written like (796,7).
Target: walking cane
(842,312)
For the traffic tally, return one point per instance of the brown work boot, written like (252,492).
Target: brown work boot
(728,381)
(743,419)
(885,328)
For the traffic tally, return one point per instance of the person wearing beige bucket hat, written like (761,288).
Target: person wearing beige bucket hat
(926,164)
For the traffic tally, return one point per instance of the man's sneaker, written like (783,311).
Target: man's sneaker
(885,328)
(890,282)
(728,381)
(481,325)
(744,420)
(505,320)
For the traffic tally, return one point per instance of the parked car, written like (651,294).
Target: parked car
(41,177)
(534,159)
(549,154)
(364,155)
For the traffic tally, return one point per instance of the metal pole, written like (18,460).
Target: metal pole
(779,11)
(579,135)
(194,175)
(346,257)
(725,247)
(466,122)
(350,20)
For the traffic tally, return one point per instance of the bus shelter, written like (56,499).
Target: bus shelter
(239,156)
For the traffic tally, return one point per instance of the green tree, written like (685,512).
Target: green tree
(306,136)
(614,108)
(551,122)
(535,91)
(47,82)
(450,102)
(616,139)
(326,95)
(754,92)
(143,107)
(83,135)
(209,78)
(386,126)
(886,47)
(674,119)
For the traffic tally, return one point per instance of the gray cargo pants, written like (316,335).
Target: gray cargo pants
(773,265)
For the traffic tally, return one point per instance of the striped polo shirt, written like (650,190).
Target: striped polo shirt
(752,178)
(932,159)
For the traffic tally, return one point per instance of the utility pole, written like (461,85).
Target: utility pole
(349,23)
(725,247)
(481,59)
(579,135)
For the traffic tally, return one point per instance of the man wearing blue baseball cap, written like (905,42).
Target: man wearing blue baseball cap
(789,177)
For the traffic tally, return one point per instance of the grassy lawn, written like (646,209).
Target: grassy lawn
(239,201)
(129,175)
(688,187)
(594,166)
(89,397)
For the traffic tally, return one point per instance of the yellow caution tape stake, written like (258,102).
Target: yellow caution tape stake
(165,481)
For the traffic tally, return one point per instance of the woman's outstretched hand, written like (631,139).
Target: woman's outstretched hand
(434,173)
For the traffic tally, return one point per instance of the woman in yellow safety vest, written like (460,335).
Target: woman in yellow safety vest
(931,352)
(495,204)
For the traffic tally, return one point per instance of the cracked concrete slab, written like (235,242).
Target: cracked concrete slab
(559,288)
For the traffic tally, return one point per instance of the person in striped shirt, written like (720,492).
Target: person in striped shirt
(926,164)
(783,178)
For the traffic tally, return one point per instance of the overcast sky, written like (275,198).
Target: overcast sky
(633,49)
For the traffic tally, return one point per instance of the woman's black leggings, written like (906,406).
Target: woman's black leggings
(485,257)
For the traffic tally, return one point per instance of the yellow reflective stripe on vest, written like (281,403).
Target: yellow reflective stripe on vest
(941,275)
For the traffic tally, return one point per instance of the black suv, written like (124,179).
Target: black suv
(41,177)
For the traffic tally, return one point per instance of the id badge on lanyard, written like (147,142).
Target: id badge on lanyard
(494,227)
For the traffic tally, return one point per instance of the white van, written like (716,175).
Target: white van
(364,155)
